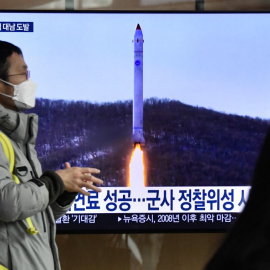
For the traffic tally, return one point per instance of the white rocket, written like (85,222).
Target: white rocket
(137,137)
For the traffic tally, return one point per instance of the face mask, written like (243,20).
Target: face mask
(24,94)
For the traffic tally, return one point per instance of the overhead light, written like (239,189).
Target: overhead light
(162,2)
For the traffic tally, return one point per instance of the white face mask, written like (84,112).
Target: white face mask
(24,94)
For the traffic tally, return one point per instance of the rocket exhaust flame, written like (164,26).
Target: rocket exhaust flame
(137,168)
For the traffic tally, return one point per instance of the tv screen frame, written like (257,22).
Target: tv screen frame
(203,120)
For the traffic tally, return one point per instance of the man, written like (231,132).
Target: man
(25,244)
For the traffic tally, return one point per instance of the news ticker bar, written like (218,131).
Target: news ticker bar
(145,221)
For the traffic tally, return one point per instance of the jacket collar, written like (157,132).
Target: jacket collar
(17,125)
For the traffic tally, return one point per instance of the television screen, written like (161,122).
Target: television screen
(171,107)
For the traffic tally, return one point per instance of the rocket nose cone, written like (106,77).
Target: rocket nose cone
(138,27)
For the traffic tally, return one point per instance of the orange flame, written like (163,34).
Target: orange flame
(136,168)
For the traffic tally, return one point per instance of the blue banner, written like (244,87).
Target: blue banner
(16,27)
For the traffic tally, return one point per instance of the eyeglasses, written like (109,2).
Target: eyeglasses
(26,74)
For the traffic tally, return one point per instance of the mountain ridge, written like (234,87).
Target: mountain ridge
(185,145)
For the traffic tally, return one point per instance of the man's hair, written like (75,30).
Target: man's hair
(6,50)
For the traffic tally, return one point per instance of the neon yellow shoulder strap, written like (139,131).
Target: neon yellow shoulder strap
(2,267)
(9,152)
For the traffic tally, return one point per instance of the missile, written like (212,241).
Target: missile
(137,135)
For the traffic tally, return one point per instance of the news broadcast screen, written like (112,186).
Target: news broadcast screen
(171,107)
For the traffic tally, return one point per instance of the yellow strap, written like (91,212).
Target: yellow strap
(2,267)
(31,229)
(9,152)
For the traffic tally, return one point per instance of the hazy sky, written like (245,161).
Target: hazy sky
(217,61)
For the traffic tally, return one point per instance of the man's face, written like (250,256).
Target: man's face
(17,73)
